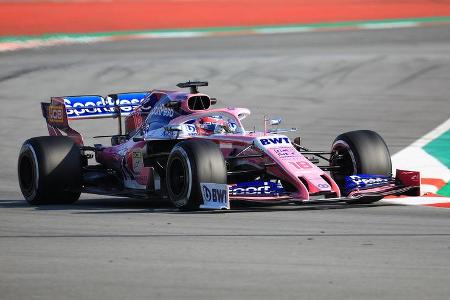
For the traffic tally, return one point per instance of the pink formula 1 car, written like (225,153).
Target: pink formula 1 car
(175,146)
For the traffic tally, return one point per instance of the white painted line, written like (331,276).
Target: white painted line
(181,34)
(388,25)
(415,158)
(435,133)
(284,30)
(416,200)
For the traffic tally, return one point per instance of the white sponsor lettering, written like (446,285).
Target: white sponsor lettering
(367,181)
(273,141)
(103,106)
(251,190)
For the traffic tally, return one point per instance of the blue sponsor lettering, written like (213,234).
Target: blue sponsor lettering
(219,195)
(215,195)
(286,152)
(275,140)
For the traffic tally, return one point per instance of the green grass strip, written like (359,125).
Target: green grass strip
(445,191)
(439,148)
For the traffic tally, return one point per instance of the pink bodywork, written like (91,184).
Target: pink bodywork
(285,161)
(289,164)
(279,157)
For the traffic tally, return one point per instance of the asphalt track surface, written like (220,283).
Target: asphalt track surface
(393,81)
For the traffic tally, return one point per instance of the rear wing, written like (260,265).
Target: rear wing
(94,107)
(60,110)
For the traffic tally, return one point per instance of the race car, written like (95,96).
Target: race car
(173,145)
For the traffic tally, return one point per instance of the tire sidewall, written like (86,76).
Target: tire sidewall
(181,199)
(57,170)
(205,163)
(27,151)
(368,154)
(367,150)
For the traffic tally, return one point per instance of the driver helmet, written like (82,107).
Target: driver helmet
(211,125)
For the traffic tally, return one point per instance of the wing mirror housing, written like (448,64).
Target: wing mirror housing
(173,127)
(275,122)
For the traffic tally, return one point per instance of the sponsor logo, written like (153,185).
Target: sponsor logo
(232,126)
(137,160)
(147,102)
(190,129)
(257,188)
(274,141)
(323,186)
(286,152)
(56,114)
(365,181)
(97,106)
(161,110)
(215,196)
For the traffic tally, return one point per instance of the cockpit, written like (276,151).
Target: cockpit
(198,124)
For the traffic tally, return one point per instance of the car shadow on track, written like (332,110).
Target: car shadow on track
(127,205)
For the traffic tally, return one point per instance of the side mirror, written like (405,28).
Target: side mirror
(275,122)
(174,127)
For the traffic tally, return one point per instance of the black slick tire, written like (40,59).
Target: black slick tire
(190,163)
(50,170)
(360,152)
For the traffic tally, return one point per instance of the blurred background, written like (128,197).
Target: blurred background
(34,17)
(338,66)
(325,74)
(323,66)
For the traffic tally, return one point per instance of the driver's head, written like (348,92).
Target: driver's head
(211,125)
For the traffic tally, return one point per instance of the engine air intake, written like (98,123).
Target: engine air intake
(199,102)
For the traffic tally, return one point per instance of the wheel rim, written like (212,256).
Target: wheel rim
(177,177)
(26,174)
(343,157)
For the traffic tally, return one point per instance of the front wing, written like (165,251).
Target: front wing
(404,183)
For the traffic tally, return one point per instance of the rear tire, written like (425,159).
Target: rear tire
(49,170)
(190,163)
(360,152)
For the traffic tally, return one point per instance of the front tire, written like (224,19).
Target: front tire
(49,170)
(360,152)
(190,163)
